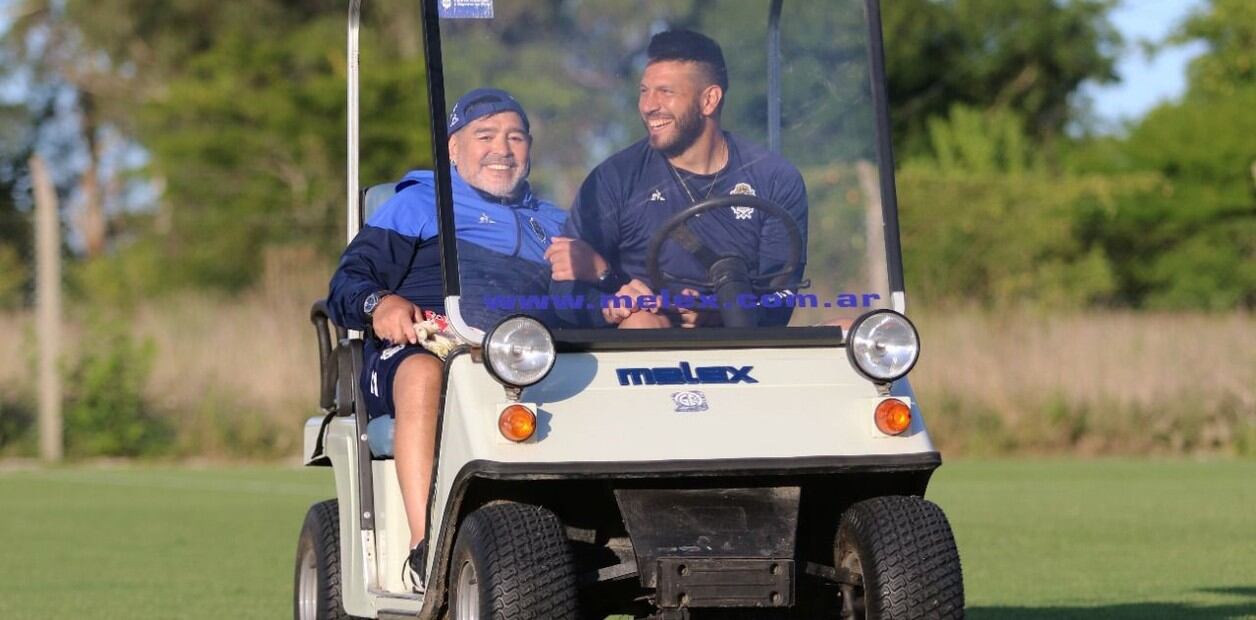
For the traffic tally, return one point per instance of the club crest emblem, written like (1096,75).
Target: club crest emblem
(537,230)
(743,189)
(692,401)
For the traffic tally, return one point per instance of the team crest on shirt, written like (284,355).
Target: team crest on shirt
(537,230)
(743,189)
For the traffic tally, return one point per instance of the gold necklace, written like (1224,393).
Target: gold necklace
(685,186)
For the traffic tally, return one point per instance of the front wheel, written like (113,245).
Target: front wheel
(512,562)
(317,588)
(900,561)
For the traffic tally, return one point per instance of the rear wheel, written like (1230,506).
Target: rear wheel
(899,559)
(512,562)
(316,588)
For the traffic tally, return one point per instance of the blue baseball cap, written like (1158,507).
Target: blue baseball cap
(483,102)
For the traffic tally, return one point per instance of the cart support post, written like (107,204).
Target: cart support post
(355,14)
(774,77)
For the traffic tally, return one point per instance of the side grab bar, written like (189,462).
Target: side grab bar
(327,367)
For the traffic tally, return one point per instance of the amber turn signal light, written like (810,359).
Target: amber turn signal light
(893,416)
(517,423)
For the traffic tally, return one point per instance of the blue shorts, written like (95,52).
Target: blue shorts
(379,367)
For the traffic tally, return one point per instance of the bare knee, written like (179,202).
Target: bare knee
(419,369)
(417,383)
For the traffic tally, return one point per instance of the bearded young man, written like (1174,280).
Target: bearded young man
(390,278)
(685,159)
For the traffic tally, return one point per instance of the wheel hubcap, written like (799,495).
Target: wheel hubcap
(468,593)
(307,588)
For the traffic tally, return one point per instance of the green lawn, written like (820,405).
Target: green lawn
(1039,539)
(1109,539)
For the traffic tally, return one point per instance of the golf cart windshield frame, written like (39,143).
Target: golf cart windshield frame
(698,338)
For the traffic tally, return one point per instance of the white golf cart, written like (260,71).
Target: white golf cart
(738,470)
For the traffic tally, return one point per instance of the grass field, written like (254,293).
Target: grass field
(1039,539)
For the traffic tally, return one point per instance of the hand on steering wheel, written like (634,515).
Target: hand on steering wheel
(727,275)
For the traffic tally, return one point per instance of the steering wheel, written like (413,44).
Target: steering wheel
(728,275)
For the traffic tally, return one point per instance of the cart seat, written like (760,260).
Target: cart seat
(375,197)
(379,436)
(380,430)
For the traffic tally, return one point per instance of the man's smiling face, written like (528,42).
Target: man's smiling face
(491,153)
(670,106)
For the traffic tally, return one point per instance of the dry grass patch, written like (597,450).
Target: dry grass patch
(1094,383)
(237,375)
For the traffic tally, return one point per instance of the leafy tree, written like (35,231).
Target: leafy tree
(1229,29)
(985,221)
(241,110)
(75,101)
(240,107)
(970,141)
(1191,243)
(15,237)
(1029,56)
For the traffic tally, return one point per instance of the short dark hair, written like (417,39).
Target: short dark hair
(689,46)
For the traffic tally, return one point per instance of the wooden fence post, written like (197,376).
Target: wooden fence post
(48,311)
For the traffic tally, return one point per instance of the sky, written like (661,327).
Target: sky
(1145,82)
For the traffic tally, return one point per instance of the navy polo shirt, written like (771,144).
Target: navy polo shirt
(634,192)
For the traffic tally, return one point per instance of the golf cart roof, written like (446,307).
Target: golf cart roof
(806,83)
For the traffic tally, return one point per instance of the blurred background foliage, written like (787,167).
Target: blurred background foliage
(198,149)
(190,136)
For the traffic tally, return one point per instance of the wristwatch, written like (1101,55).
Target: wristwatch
(609,281)
(372,301)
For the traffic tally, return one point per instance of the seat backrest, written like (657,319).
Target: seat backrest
(375,197)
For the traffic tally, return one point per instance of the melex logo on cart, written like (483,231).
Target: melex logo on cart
(684,375)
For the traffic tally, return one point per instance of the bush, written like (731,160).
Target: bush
(13,276)
(17,426)
(225,426)
(106,413)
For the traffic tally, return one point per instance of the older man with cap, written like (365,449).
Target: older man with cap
(389,279)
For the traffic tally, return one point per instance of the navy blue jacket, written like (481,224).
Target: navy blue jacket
(397,250)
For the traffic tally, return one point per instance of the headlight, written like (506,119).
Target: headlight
(519,351)
(883,345)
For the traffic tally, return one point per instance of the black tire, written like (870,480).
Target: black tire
(316,582)
(903,549)
(512,562)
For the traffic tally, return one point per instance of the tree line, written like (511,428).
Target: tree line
(190,137)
